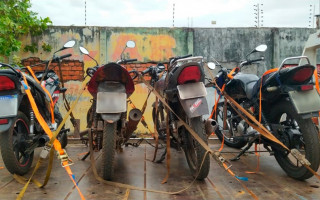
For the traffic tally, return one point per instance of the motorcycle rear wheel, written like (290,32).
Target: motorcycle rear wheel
(230,142)
(109,150)
(309,145)
(13,144)
(194,152)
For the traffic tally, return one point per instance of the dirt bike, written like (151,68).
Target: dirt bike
(283,99)
(182,86)
(20,133)
(111,85)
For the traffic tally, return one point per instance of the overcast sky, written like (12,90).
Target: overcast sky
(188,13)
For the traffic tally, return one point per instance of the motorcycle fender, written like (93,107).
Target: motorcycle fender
(305,102)
(111,117)
(195,107)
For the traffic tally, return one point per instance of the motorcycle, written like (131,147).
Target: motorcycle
(110,86)
(182,86)
(283,100)
(20,133)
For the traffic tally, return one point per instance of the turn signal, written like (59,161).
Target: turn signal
(306,87)
(3,121)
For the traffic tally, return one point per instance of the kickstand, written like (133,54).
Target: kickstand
(163,156)
(245,149)
(85,156)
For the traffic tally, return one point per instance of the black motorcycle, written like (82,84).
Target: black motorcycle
(288,100)
(182,86)
(20,133)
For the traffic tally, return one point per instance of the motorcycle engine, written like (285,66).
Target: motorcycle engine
(240,128)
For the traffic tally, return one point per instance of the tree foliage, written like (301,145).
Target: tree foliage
(16,19)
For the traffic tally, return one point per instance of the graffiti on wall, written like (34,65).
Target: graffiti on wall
(148,47)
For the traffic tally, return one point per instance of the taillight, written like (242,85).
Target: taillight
(306,87)
(302,74)
(189,74)
(3,121)
(6,83)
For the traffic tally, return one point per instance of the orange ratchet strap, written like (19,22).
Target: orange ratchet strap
(261,129)
(230,75)
(61,152)
(46,91)
(215,154)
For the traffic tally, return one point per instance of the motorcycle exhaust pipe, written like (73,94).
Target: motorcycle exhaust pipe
(210,126)
(134,118)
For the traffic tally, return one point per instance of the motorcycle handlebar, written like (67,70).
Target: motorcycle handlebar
(135,73)
(186,56)
(131,60)
(256,60)
(172,59)
(61,57)
(249,62)
(124,61)
(146,70)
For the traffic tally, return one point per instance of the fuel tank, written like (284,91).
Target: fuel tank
(241,86)
(160,85)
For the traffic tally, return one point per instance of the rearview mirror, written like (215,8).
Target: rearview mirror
(211,65)
(131,44)
(69,44)
(84,50)
(261,48)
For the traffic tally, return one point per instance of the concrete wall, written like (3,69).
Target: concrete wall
(230,45)
(105,44)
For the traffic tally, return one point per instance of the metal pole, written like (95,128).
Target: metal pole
(173,17)
(258,15)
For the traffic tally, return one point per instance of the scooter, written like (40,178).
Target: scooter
(110,86)
(20,133)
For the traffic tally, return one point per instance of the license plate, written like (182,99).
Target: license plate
(8,105)
(305,101)
(111,102)
(192,90)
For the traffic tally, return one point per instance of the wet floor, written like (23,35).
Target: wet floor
(134,166)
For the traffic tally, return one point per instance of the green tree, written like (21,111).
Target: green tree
(16,19)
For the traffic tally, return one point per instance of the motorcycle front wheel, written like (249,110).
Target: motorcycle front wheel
(13,145)
(194,152)
(109,150)
(228,139)
(306,140)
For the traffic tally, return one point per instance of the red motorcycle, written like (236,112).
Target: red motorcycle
(110,86)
